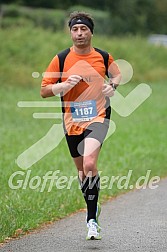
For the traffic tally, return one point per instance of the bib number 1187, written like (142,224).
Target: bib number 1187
(84,111)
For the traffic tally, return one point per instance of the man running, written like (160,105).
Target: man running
(85,105)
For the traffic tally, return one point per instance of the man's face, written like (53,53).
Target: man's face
(81,35)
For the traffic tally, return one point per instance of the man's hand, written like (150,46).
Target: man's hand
(72,80)
(70,83)
(108,90)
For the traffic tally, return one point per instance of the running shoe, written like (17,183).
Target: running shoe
(93,230)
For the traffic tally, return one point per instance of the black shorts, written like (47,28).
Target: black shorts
(95,130)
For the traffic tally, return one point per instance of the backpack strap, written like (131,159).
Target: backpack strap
(62,55)
(105,56)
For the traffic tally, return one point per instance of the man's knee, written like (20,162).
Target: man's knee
(89,166)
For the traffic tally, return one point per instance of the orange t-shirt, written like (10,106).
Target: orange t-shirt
(85,102)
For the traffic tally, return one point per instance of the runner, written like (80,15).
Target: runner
(85,105)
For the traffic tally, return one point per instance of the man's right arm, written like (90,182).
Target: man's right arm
(62,87)
(52,90)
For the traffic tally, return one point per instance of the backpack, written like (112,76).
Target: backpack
(62,56)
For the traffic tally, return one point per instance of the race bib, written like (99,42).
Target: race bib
(83,111)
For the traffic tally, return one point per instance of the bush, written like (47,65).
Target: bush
(15,22)
(46,18)
(11,10)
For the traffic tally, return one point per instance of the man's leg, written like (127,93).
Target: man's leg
(88,175)
(85,151)
(91,183)
(79,165)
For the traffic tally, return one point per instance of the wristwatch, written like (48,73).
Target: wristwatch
(113,86)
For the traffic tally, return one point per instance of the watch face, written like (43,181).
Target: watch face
(113,86)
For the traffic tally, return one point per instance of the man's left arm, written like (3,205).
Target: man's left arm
(114,73)
(114,78)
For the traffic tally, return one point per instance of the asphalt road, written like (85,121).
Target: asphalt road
(136,221)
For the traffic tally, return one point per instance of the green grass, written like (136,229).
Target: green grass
(138,144)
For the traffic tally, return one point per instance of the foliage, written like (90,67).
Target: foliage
(23,16)
(113,17)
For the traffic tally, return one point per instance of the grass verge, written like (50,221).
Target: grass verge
(138,144)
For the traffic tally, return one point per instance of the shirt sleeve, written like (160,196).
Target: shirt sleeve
(52,73)
(110,60)
(113,68)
